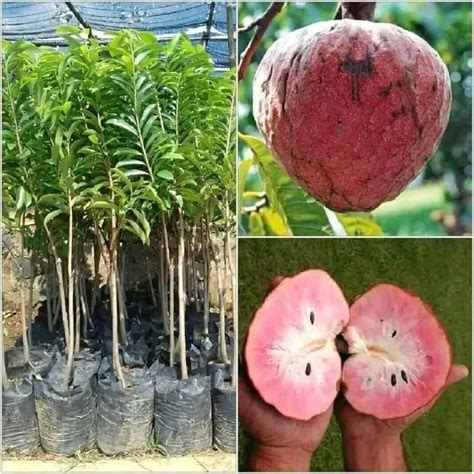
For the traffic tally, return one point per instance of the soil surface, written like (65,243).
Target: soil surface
(139,462)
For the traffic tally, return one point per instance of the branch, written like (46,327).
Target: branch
(79,18)
(356,11)
(262,24)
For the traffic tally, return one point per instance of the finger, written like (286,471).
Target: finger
(457,373)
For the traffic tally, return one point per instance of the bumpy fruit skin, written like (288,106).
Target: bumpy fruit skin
(352,109)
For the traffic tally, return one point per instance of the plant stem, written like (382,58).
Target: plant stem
(30,296)
(70,273)
(26,349)
(96,287)
(48,297)
(262,24)
(113,243)
(205,248)
(165,264)
(356,11)
(181,301)
(221,291)
(172,344)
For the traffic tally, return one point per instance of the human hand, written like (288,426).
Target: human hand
(371,444)
(283,444)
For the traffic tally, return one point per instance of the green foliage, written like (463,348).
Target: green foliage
(120,132)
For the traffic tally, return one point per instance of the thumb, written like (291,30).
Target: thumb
(457,373)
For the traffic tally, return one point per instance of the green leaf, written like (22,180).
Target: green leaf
(300,212)
(100,204)
(93,138)
(140,57)
(360,224)
(256,226)
(273,222)
(20,200)
(122,163)
(135,229)
(52,215)
(165,174)
(135,173)
(124,125)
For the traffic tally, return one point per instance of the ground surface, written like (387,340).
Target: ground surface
(439,270)
(208,461)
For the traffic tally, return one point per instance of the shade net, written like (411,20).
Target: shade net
(38,22)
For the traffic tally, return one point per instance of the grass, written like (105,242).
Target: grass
(411,212)
(439,270)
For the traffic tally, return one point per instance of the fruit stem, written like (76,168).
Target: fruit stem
(356,11)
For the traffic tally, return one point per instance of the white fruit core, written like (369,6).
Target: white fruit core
(392,359)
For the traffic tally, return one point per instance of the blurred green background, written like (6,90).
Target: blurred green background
(438,270)
(438,202)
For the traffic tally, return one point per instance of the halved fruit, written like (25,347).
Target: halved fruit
(290,350)
(401,356)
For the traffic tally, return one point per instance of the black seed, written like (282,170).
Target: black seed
(308,369)
(393,380)
(394,333)
(381,320)
(311,317)
(404,376)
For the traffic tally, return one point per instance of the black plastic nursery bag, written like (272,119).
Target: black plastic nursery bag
(125,415)
(183,415)
(19,424)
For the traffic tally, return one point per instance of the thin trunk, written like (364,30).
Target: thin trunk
(150,282)
(166,264)
(113,298)
(205,251)
(230,257)
(85,309)
(221,291)
(55,300)
(62,292)
(121,306)
(194,271)
(49,311)
(163,291)
(172,344)
(24,331)
(181,301)
(187,267)
(70,274)
(96,287)
(30,296)
(57,310)
(77,308)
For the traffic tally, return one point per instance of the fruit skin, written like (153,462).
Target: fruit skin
(282,318)
(352,109)
(419,318)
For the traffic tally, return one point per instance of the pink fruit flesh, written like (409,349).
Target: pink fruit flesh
(290,351)
(401,355)
(352,109)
